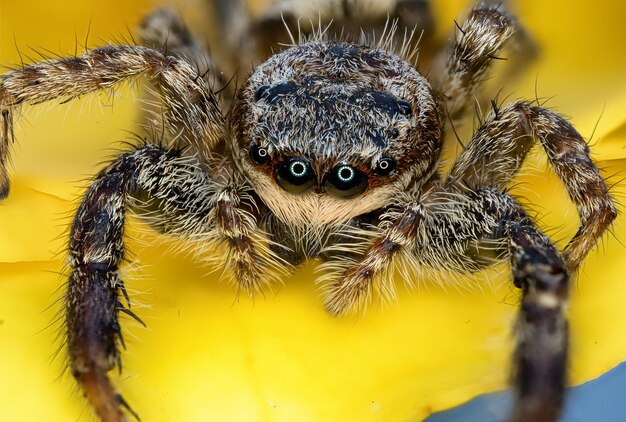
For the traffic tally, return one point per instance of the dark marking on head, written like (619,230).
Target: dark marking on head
(261,92)
(405,108)
(271,94)
(378,138)
(344,51)
(383,101)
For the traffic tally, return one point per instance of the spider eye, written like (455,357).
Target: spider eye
(258,154)
(295,175)
(385,167)
(346,181)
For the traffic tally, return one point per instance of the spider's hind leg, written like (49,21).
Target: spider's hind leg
(478,41)
(164,30)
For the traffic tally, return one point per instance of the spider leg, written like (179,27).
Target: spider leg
(462,231)
(191,109)
(351,281)
(487,219)
(252,262)
(164,30)
(540,360)
(465,222)
(498,148)
(193,206)
(418,231)
(478,41)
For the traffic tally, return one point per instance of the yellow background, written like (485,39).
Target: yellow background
(282,358)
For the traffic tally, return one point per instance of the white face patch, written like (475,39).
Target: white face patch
(318,209)
(312,208)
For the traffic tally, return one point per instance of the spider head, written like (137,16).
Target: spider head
(328,131)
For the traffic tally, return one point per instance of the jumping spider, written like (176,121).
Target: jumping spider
(329,150)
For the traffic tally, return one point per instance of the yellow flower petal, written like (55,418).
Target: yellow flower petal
(206,355)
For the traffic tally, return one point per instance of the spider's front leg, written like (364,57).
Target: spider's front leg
(493,158)
(190,109)
(541,355)
(462,231)
(193,205)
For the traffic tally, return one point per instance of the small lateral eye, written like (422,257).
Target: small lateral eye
(295,175)
(385,167)
(258,154)
(346,181)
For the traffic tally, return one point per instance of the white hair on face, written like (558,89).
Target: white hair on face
(312,208)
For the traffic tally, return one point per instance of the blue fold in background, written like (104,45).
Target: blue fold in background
(602,399)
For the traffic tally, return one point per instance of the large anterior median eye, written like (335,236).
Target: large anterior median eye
(345,181)
(295,175)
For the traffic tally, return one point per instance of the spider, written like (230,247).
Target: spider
(330,150)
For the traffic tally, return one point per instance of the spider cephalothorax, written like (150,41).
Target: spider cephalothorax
(342,126)
(331,151)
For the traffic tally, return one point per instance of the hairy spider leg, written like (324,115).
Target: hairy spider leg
(350,281)
(164,30)
(461,222)
(540,359)
(193,206)
(448,228)
(460,71)
(191,109)
(499,146)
